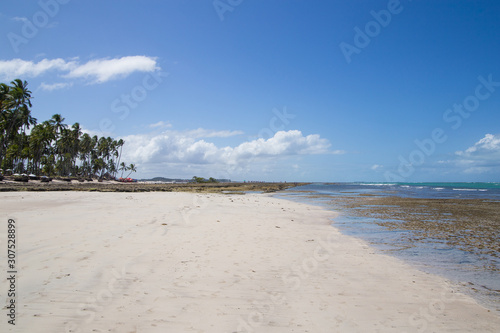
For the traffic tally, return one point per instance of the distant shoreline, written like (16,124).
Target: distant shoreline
(114,186)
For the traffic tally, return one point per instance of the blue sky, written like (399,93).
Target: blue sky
(270,90)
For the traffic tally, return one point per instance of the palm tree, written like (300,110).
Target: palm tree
(103,155)
(15,99)
(20,93)
(123,168)
(25,120)
(112,169)
(74,145)
(99,167)
(119,144)
(40,144)
(86,147)
(56,121)
(51,147)
(132,168)
(49,163)
(5,97)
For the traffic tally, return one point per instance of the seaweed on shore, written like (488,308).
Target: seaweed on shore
(471,225)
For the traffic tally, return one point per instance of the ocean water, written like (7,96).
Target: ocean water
(475,275)
(411,190)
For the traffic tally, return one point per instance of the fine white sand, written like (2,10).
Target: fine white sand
(185,262)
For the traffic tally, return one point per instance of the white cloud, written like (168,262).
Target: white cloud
(487,147)
(482,157)
(188,148)
(160,124)
(55,86)
(19,19)
(94,71)
(15,68)
(490,143)
(96,132)
(204,133)
(102,70)
(376,167)
(282,143)
(477,170)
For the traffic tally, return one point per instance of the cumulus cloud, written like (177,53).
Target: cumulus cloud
(282,143)
(487,145)
(483,156)
(94,71)
(191,147)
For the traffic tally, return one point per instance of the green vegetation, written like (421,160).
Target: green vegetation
(123,168)
(201,180)
(51,148)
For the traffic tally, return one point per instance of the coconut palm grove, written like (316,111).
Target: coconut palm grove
(52,148)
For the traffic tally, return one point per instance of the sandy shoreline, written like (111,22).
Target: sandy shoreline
(186,262)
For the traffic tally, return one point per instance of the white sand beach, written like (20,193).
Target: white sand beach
(186,262)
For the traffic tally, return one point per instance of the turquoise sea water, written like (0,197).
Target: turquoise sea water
(478,276)
(458,185)
(422,190)
(445,185)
